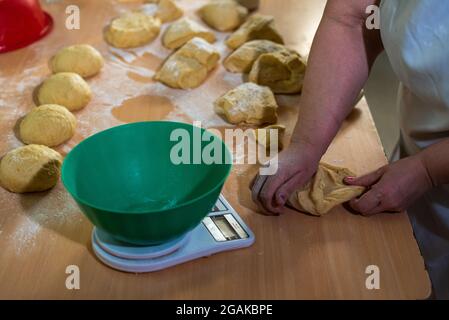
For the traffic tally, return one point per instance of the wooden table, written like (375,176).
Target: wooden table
(295,256)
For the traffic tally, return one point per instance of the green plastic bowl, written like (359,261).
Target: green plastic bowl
(125,182)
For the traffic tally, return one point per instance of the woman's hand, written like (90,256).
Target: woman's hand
(295,168)
(392,188)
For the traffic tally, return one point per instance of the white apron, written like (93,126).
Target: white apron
(415,34)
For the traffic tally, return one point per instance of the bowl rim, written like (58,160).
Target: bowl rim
(178,206)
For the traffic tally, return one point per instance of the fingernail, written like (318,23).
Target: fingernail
(282,199)
(350,179)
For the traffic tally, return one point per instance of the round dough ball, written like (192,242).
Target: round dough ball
(66,89)
(49,125)
(132,30)
(30,168)
(82,59)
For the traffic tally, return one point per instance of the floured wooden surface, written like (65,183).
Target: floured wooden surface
(295,256)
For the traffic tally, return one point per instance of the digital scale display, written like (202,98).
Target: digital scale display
(224,227)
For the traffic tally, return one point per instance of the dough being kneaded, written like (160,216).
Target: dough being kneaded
(249,103)
(132,29)
(30,168)
(168,11)
(325,191)
(82,59)
(183,30)
(189,66)
(242,59)
(282,71)
(66,89)
(49,125)
(223,15)
(257,27)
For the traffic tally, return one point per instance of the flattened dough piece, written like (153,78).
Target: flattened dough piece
(265,135)
(30,168)
(182,73)
(168,11)
(257,27)
(202,51)
(66,89)
(242,59)
(325,191)
(282,71)
(132,29)
(82,59)
(249,103)
(49,125)
(182,31)
(188,67)
(223,15)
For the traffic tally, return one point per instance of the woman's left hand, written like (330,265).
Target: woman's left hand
(392,188)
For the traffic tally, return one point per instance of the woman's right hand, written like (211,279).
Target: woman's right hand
(296,166)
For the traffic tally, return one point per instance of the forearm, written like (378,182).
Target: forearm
(436,162)
(340,60)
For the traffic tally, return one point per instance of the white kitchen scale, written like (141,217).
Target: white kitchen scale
(222,230)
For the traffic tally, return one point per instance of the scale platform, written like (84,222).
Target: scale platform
(222,230)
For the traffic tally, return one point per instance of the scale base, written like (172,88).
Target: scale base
(222,230)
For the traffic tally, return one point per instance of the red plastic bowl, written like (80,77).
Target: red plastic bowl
(22,22)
